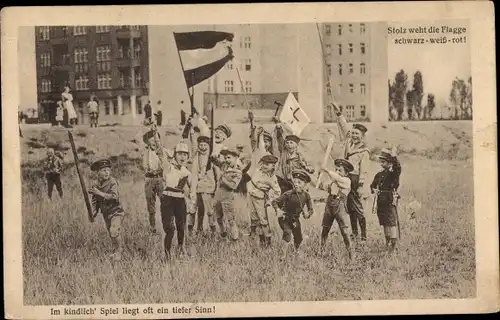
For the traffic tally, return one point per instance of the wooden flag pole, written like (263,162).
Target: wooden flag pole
(330,143)
(242,88)
(82,182)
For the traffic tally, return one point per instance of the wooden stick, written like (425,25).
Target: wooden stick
(325,159)
(82,182)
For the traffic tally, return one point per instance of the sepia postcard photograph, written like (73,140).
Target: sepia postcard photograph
(276,160)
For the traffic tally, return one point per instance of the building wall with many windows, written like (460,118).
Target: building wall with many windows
(109,62)
(353,67)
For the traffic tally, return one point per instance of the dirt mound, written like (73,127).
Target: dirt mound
(435,140)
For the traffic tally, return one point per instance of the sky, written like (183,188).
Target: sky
(438,63)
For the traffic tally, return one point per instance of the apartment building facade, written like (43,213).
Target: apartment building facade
(109,62)
(355,68)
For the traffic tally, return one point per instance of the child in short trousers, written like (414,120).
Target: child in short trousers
(385,185)
(290,205)
(335,208)
(262,189)
(105,198)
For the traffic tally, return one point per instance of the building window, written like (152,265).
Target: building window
(81,55)
(351,88)
(139,106)
(328,29)
(102,29)
(82,83)
(45,33)
(362,28)
(137,51)
(79,30)
(103,53)
(103,66)
(248,86)
(229,65)
(46,85)
(228,86)
(138,79)
(351,68)
(349,111)
(45,59)
(104,81)
(248,42)
(106,107)
(350,27)
(363,88)
(248,64)
(134,27)
(82,67)
(328,49)
(340,68)
(329,69)
(122,79)
(351,48)
(362,68)
(363,111)
(362,46)
(340,29)
(115,109)
(340,48)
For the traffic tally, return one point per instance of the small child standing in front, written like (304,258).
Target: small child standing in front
(290,205)
(385,185)
(59,113)
(105,198)
(262,189)
(335,208)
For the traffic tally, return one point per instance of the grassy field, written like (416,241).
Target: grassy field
(64,255)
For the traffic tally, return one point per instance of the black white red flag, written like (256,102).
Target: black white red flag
(203,53)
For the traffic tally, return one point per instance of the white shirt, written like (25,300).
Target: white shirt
(338,184)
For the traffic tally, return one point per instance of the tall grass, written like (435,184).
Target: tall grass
(64,255)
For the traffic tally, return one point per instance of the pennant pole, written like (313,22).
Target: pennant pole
(193,110)
(242,89)
(329,92)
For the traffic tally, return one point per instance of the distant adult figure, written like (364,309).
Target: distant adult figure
(158,114)
(93,112)
(148,112)
(67,99)
(356,152)
(59,113)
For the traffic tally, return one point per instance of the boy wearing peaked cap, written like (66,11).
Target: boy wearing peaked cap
(290,205)
(203,187)
(335,208)
(290,159)
(152,164)
(385,185)
(173,201)
(52,169)
(263,188)
(358,154)
(106,199)
(227,189)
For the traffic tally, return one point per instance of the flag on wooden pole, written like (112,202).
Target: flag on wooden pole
(203,53)
(293,116)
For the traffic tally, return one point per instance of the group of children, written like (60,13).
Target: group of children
(276,176)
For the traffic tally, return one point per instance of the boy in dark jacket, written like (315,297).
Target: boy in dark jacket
(385,185)
(105,198)
(290,205)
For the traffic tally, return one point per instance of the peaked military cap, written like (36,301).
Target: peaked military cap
(360,127)
(269,158)
(293,138)
(100,164)
(231,151)
(203,139)
(344,163)
(302,175)
(225,128)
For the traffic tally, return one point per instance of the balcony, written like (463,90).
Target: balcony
(126,32)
